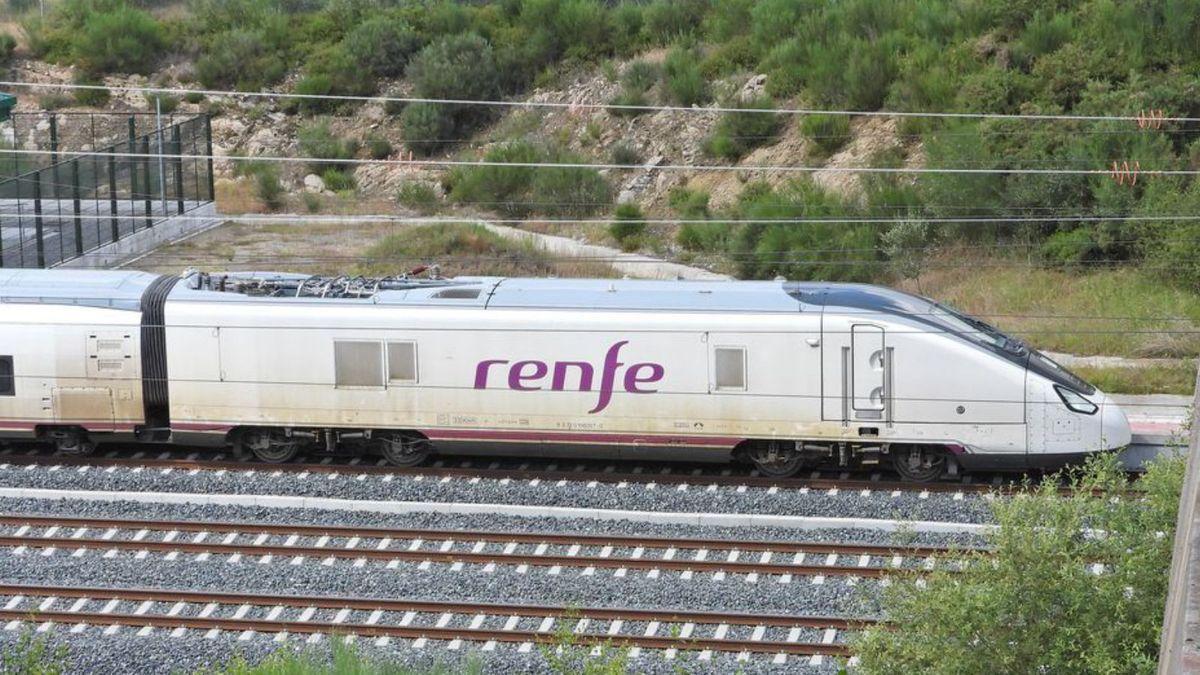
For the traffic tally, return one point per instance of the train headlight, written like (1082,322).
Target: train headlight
(1075,401)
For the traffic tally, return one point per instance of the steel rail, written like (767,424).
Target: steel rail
(426,606)
(432,633)
(739,567)
(553,538)
(512,474)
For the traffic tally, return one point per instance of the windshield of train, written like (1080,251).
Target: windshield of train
(981,332)
(976,330)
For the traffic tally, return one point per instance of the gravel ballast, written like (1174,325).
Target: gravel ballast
(699,498)
(450,521)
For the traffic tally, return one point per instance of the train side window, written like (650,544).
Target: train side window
(8,381)
(730,368)
(357,363)
(402,362)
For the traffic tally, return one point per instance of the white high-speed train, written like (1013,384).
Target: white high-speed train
(782,374)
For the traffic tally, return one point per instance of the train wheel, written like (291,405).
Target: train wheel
(774,461)
(270,447)
(74,443)
(402,450)
(918,464)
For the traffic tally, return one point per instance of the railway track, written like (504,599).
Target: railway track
(423,621)
(475,469)
(267,541)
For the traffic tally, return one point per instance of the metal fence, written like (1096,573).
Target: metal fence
(62,204)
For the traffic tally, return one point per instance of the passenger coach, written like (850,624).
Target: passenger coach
(782,374)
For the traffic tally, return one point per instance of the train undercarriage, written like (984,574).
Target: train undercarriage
(772,458)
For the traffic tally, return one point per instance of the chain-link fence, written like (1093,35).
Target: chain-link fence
(132,174)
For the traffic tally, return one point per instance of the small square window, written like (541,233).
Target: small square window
(402,361)
(730,371)
(8,381)
(358,364)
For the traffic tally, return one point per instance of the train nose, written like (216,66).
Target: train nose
(1113,424)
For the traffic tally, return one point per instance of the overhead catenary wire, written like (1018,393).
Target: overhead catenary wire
(595,106)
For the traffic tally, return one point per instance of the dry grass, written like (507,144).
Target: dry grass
(468,249)
(1157,379)
(375,248)
(1118,312)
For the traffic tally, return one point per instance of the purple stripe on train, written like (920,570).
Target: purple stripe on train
(530,375)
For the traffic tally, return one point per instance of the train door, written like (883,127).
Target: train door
(856,372)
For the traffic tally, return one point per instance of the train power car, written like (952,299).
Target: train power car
(786,375)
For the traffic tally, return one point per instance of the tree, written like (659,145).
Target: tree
(1035,603)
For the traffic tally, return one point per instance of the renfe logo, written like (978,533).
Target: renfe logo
(530,375)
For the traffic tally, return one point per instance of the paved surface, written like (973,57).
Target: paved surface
(18,226)
(1178,648)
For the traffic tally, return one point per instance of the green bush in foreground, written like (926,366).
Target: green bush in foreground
(31,655)
(1035,604)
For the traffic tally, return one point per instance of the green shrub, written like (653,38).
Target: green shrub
(318,140)
(834,251)
(1071,247)
(640,76)
(418,196)
(124,40)
(338,180)
(33,655)
(267,186)
(636,101)
(518,191)
(378,147)
(628,227)
(728,19)
(627,23)
(625,155)
(570,192)
(690,204)
(786,65)
(426,126)
(1171,248)
(162,101)
(193,97)
(1034,601)
(333,71)
(1045,32)
(244,59)
(90,97)
(714,237)
(461,67)
(684,82)
(313,84)
(501,188)
(828,132)
(382,45)
(54,101)
(582,28)
(312,201)
(740,53)
(669,20)
(737,133)
(8,45)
